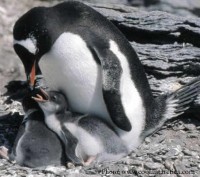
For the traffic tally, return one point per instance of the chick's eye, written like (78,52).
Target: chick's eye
(54,98)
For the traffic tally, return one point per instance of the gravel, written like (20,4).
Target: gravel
(160,153)
(173,149)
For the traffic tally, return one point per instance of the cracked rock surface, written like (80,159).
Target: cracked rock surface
(169,48)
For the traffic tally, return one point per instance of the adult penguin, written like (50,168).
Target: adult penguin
(85,56)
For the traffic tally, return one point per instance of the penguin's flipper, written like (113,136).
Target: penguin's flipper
(111,74)
(21,131)
(70,143)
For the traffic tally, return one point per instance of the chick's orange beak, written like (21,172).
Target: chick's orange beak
(32,76)
(42,97)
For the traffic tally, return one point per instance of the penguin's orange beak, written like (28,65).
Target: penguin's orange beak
(32,75)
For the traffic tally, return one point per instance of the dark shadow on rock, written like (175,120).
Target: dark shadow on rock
(16,90)
(9,125)
(10,122)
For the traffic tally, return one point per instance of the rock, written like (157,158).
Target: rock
(169,165)
(190,127)
(59,170)
(163,54)
(167,175)
(178,126)
(196,175)
(133,162)
(2,108)
(193,135)
(159,139)
(153,166)
(180,167)
(188,8)
(172,152)
(157,159)
(147,140)
(190,153)
(136,163)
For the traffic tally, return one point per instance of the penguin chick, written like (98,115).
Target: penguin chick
(36,145)
(85,138)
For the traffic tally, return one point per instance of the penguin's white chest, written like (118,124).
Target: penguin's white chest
(69,66)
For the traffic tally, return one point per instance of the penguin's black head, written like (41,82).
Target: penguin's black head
(51,102)
(33,37)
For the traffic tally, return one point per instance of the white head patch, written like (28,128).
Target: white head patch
(28,43)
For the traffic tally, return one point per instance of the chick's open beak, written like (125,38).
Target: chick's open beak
(43,97)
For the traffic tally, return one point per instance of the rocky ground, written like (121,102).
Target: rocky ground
(172,151)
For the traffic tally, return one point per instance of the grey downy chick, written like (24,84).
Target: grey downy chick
(33,144)
(85,138)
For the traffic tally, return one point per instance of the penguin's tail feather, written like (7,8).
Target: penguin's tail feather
(172,105)
(182,99)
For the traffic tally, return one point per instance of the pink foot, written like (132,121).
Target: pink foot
(89,160)
(4,152)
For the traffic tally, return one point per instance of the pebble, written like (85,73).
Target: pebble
(157,159)
(137,163)
(193,135)
(178,126)
(190,126)
(159,139)
(196,175)
(194,147)
(132,162)
(70,165)
(2,108)
(167,175)
(179,166)
(147,140)
(153,166)
(56,170)
(169,165)
(190,153)
(140,153)
(173,152)
(187,152)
